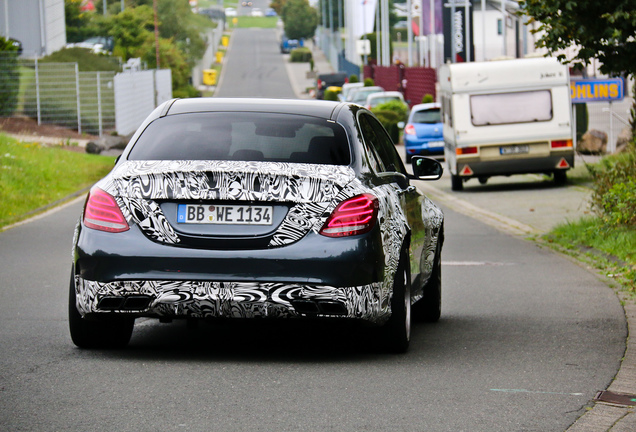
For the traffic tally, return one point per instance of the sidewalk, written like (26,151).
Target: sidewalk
(298,72)
(602,416)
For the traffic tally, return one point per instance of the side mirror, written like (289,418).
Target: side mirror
(425,168)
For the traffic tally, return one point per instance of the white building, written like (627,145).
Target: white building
(38,24)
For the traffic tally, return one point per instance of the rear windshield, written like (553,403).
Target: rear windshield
(430,116)
(242,136)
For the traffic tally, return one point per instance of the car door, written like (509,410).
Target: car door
(409,199)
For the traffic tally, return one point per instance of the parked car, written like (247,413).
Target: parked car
(269,12)
(327,80)
(257,208)
(97,44)
(287,45)
(359,95)
(377,98)
(423,133)
(257,12)
(346,88)
(230,12)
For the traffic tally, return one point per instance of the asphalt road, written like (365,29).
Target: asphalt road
(526,339)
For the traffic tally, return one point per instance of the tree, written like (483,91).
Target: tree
(300,19)
(600,29)
(131,29)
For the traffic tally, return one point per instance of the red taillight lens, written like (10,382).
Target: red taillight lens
(409,129)
(354,216)
(102,213)
(466,150)
(561,143)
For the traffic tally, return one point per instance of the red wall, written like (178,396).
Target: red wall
(417,81)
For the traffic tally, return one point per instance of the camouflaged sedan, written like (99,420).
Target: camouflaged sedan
(256,208)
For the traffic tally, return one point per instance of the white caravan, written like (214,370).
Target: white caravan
(506,117)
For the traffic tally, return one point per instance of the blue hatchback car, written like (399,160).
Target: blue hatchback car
(423,131)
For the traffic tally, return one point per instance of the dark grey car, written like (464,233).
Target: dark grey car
(247,208)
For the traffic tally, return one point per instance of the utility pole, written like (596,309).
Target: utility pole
(154,7)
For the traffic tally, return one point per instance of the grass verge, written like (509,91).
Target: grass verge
(610,251)
(33,176)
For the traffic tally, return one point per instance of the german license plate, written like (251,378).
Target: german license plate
(224,214)
(436,144)
(514,149)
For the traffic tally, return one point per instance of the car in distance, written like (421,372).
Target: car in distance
(336,79)
(377,98)
(359,95)
(346,88)
(423,133)
(257,208)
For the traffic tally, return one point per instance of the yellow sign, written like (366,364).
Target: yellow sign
(596,90)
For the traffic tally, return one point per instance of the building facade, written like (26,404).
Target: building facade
(39,25)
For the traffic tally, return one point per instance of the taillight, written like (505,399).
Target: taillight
(561,143)
(409,129)
(466,150)
(102,213)
(354,216)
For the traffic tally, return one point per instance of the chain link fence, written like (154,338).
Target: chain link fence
(58,93)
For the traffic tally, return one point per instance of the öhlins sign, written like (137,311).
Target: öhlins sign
(596,90)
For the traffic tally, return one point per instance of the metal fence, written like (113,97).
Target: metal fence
(58,93)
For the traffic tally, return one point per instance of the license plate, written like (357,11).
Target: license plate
(436,144)
(514,149)
(224,214)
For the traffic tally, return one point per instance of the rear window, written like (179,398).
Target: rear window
(506,108)
(243,136)
(430,116)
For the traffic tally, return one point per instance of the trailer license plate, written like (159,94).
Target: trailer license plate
(514,149)
(224,214)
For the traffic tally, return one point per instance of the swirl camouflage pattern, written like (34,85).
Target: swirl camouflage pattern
(340,235)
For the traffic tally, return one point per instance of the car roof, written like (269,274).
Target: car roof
(426,106)
(316,108)
(385,94)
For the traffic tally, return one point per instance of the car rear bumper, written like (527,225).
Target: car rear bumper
(316,276)
(206,299)
(423,148)
(514,165)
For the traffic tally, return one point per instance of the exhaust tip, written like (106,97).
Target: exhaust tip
(128,303)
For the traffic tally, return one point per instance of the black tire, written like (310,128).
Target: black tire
(483,180)
(108,332)
(457,183)
(397,331)
(429,307)
(560,177)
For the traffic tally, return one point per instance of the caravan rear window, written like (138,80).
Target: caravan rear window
(507,108)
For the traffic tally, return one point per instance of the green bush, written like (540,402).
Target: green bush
(427,98)
(389,120)
(331,95)
(300,55)
(353,78)
(582,120)
(614,191)
(9,78)
(368,82)
(390,114)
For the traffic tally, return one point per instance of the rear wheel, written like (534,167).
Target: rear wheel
(397,331)
(560,177)
(457,183)
(429,307)
(107,332)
